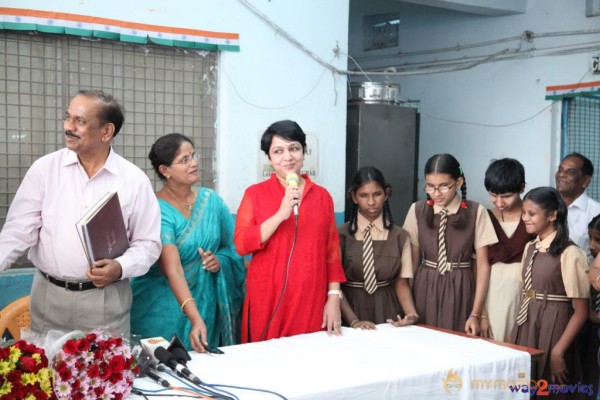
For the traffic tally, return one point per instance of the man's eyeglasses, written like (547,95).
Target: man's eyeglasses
(442,188)
(186,160)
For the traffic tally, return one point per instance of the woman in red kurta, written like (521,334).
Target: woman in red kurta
(288,296)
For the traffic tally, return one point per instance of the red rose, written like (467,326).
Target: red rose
(99,391)
(29,348)
(70,347)
(14,377)
(28,364)
(118,396)
(4,352)
(117,363)
(76,385)
(65,375)
(105,370)
(83,345)
(77,396)
(20,344)
(17,392)
(116,377)
(104,345)
(136,370)
(98,354)
(91,337)
(93,371)
(60,366)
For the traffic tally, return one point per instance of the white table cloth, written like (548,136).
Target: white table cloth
(388,363)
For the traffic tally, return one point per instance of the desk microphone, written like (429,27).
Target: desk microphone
(181,356)
(162,382)
(166,357)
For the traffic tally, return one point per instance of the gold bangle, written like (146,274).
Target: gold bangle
(352,323)
(412,314)
(185,302)
(597,279)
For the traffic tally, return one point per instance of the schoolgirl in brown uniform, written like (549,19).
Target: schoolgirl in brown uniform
(445,231)
(383,295)
(554,303)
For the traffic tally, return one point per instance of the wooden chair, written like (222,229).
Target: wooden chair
(14,317)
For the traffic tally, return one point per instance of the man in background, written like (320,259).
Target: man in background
(67,293)
(572,178)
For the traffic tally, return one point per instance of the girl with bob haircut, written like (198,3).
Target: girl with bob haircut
(505,181)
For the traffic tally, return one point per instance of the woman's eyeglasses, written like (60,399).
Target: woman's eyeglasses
(186,160)
(444,188)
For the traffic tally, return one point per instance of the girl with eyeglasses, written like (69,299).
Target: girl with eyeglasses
(445,231)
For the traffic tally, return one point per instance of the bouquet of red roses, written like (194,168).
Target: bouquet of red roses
(96,366)
(24,373)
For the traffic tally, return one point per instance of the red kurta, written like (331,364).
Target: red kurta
(315,262)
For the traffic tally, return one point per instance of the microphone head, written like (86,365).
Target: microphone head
(181,355)
(164,356)
(292,179)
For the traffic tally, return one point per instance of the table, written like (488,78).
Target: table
(414,362)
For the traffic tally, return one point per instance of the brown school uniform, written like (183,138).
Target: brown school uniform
(445,301)
(391,252)
(564,276)
(504,290)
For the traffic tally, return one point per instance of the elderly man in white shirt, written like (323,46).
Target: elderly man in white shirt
(572,178)
(67,293)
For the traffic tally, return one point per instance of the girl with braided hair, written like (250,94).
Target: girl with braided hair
(445,231)
(386,297)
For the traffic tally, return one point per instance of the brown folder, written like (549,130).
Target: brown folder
(102,229)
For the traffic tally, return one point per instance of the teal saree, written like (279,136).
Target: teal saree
(219,296)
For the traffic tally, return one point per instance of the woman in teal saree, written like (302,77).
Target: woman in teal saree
(196,289)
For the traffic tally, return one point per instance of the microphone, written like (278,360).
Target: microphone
(166,357)
(149,345)
(162,382)
(292,180)
(181,356)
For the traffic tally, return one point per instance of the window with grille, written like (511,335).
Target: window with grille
(581,134)
(162,89)
(381,31)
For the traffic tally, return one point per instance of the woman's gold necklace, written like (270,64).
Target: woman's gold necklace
(190,206)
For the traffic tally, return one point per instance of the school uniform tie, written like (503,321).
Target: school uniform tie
(442,263)
(522,315)
(370,281)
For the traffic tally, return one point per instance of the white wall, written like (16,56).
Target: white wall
(507,94)
(268,80)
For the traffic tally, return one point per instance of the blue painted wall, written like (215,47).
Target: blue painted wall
(15,283)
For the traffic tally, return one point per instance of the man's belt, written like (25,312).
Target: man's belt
(69,285)
(532,294)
